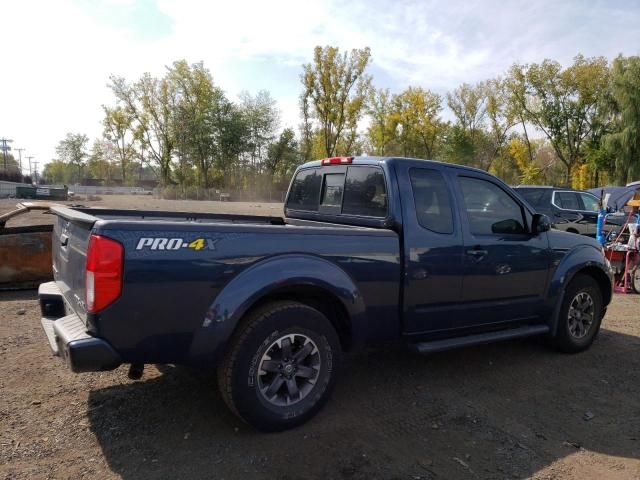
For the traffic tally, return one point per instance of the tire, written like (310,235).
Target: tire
(580,315)
(635,279)
(258,384)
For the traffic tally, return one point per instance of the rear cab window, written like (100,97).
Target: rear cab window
(354,190)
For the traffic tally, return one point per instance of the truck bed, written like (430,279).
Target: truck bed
(178,266)
(87,215)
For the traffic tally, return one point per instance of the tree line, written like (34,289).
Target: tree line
(541,123)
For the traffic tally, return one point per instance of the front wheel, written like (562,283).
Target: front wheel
(580,315)
(635,279)
(280,366)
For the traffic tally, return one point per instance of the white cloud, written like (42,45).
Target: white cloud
(58,55)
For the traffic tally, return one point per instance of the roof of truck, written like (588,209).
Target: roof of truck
(374,160)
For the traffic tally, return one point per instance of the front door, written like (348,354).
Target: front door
(505,266)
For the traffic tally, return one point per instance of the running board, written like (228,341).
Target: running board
(478,339)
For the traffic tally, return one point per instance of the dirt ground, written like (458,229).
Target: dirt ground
(510,410)
(147,203)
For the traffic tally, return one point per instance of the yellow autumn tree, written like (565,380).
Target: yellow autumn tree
(529,170)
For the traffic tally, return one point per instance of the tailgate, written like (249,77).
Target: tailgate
(71,234)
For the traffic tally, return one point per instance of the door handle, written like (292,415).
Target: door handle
(64,240)
(476,252)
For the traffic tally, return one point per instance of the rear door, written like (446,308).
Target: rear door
(570,213)
(589,205)
(505,266)
(433,251)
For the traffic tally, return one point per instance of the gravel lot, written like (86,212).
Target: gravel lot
(509,410)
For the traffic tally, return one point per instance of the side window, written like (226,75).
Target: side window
(567,200)
(365,193)
(431,198)
(589,203)
(305,191)
(490,210)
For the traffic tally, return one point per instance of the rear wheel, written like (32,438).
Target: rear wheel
(280,366)
(580,315)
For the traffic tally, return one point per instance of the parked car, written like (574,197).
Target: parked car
(573,211)
(370,251)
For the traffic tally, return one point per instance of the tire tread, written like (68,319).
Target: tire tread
(244,329)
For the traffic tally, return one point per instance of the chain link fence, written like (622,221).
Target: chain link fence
(216,194)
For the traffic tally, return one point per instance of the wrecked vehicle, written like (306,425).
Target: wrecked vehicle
(371,250)
(25,251)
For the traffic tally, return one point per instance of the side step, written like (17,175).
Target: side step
(478,339)
(51,300)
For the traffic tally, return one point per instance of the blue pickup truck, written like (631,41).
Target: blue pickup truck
(370,251)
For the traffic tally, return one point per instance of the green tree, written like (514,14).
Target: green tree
(335,88)
(262,119)
(382,128)
(501,117)
(57,171)
(469,105)
(195,119)
(563,103)
(420,129)
(73,151)
(102,161)
(283,156)
(118,130)
(11,163)
(151,102)
(458,147)
(624,143)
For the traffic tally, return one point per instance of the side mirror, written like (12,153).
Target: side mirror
(507,226)
(540,224)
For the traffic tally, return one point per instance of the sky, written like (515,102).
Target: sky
(57,55)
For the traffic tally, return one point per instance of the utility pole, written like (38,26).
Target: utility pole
(35,171)
(5,148)
(29,160)
(20,150)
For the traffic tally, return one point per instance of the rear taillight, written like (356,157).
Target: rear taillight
(103,275)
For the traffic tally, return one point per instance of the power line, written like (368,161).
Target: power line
(29,159)
(5,148)
(20,150)
(35,171)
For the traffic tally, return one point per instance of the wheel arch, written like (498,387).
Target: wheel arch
(583,264)
(602,280)
(307,279)
(318,298)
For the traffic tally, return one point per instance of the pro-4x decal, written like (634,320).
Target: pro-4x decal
(163,243)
